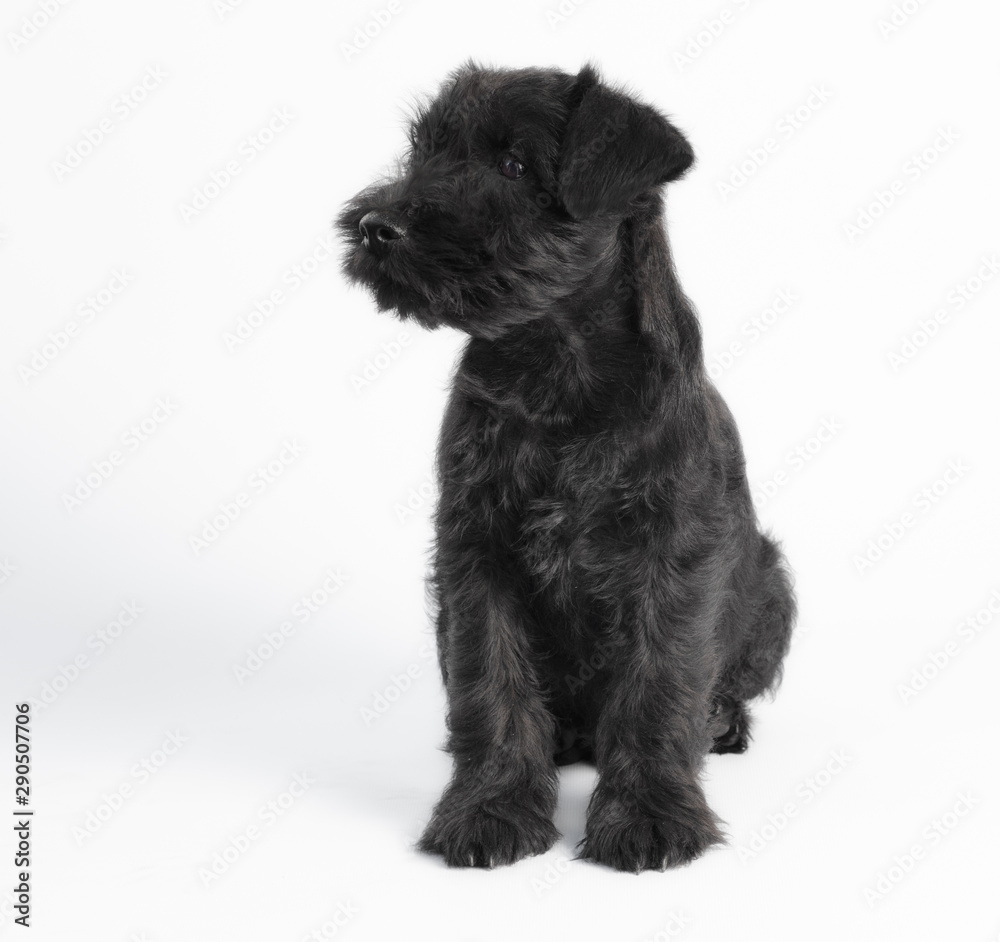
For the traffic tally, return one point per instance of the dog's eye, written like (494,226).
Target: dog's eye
(512,168)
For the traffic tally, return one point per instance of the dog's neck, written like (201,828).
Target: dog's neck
(587,358)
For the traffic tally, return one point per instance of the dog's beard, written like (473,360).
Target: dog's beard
(404,284)
(444,274)
(397,289)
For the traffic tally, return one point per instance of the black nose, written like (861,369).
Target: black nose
(380,230)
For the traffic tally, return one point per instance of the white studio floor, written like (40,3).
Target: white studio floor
(174,803)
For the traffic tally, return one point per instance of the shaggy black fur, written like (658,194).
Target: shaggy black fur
(604,591)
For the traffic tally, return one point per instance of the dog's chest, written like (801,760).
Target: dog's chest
(565,527)
(562,500)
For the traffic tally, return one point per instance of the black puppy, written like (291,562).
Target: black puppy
(604,590)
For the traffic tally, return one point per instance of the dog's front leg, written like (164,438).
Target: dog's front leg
(498,806)
(648,810)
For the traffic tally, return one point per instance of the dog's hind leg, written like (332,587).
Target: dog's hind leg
(764,613)
(731,723)
(767,628)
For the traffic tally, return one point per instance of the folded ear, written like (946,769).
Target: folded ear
(614,149)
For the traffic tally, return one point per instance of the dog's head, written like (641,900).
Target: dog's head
(509,196)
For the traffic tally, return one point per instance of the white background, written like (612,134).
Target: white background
(814,838)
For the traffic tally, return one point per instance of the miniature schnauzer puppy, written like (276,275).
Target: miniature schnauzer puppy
(603,589)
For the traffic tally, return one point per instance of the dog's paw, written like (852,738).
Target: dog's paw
(623,836)
(735,739)
(486,834)
(732,718)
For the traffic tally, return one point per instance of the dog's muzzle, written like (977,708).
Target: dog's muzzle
(380,231)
